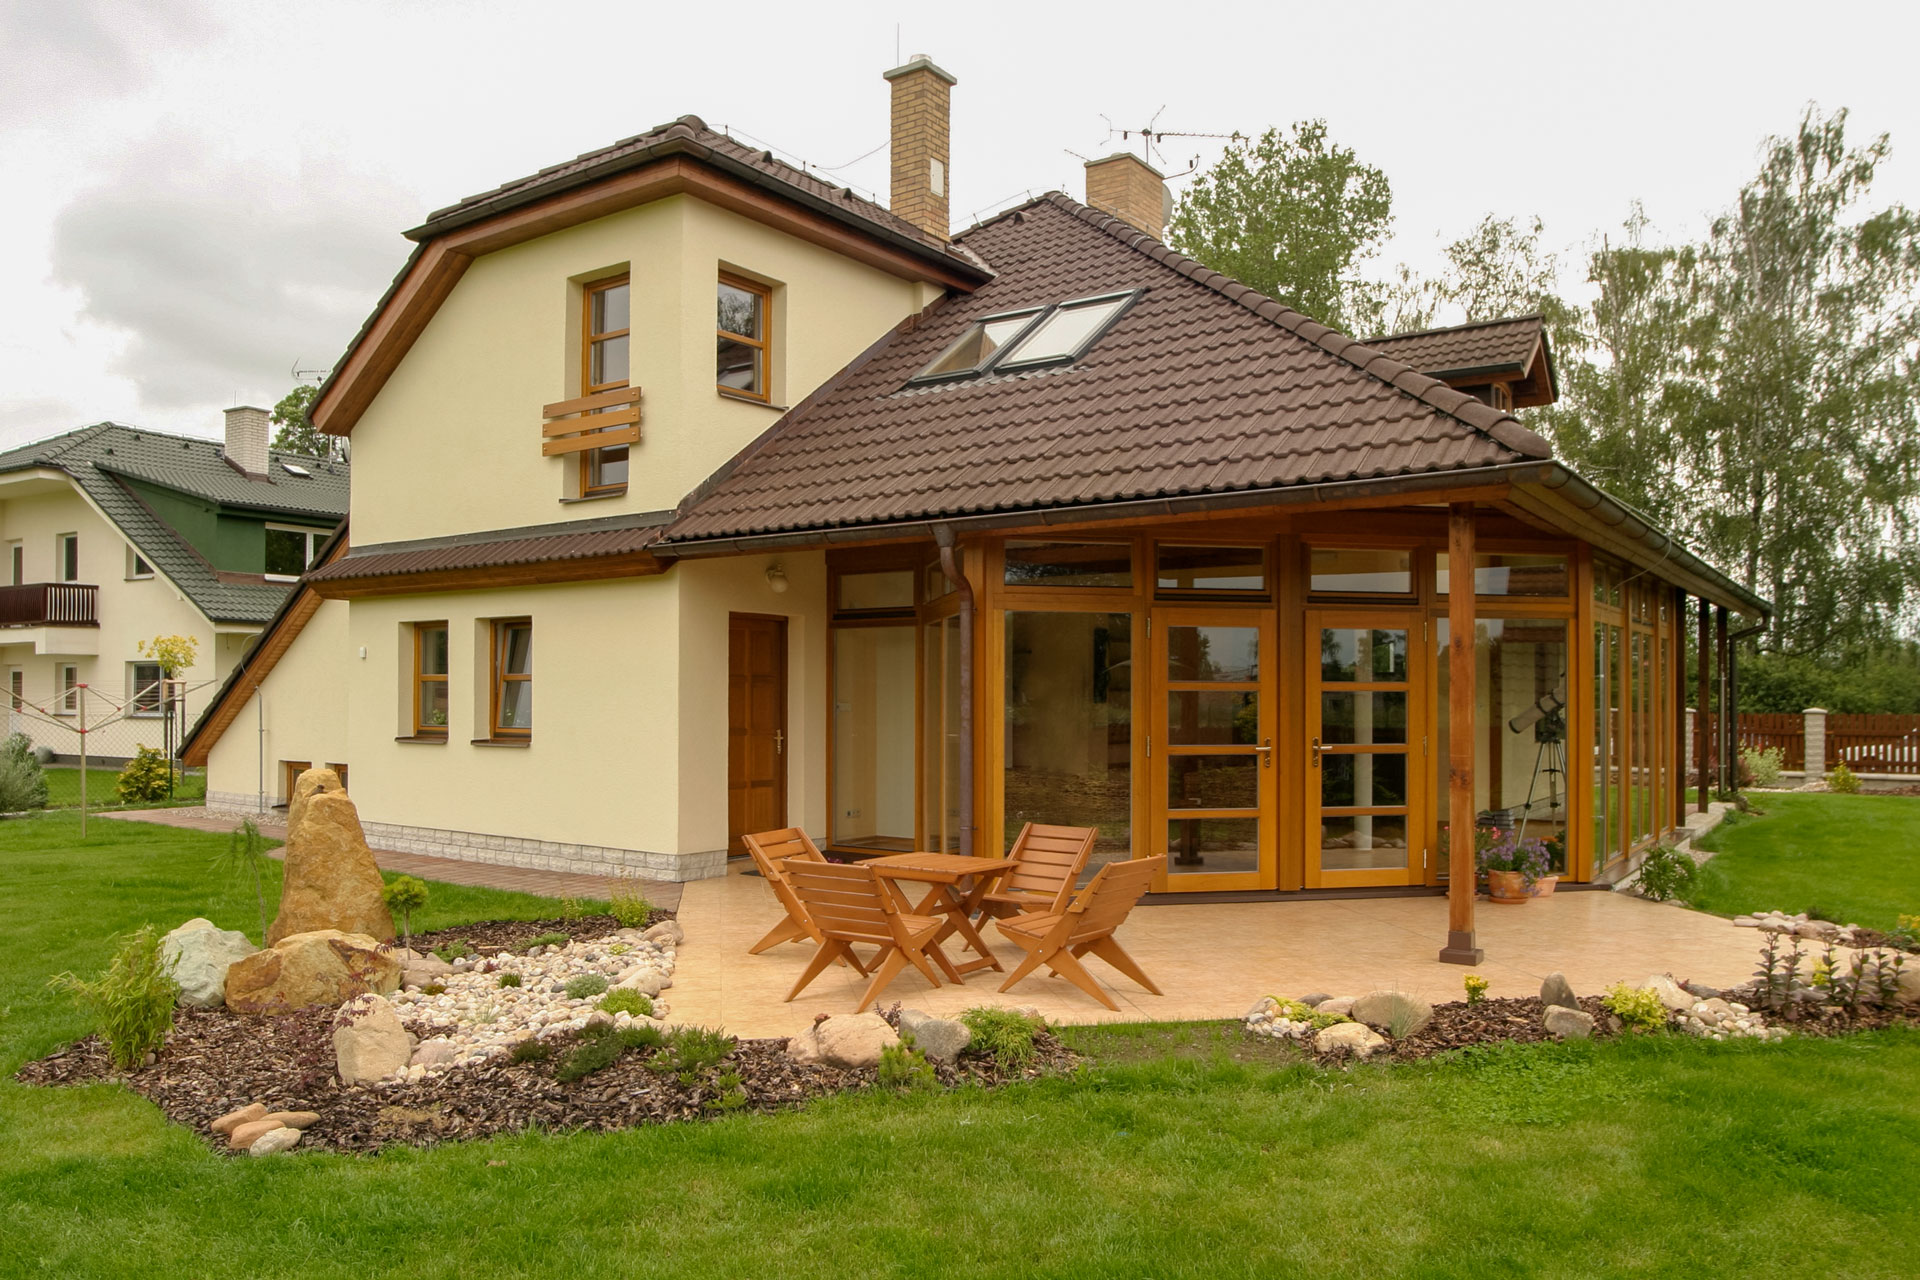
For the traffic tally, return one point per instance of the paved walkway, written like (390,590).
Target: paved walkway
(486,875)
(1215,960)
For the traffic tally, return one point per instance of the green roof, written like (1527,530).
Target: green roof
(97,458)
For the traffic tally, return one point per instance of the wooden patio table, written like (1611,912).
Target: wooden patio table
(944,873)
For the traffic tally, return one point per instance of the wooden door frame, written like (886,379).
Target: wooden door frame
(1261,616)
(783,667)
(1420,688)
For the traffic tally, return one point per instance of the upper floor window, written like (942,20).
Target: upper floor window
(513,678)
(740,364)
(290,549)
(605,332)
(66,557)
(17,554)
(137,567)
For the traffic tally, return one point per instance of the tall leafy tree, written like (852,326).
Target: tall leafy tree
(296,433)
(1293,215)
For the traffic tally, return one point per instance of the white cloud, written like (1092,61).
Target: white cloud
(55,51)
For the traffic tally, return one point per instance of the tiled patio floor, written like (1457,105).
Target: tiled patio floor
(1215,960)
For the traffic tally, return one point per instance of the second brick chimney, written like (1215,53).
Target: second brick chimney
(920,130)
(1131,190)
(247,440)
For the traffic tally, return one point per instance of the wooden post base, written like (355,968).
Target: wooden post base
(1460,949)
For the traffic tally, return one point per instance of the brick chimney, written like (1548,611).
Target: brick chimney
(247,440)
(1131,190)
(921,179)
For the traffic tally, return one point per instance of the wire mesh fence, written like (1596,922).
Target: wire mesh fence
(74,725)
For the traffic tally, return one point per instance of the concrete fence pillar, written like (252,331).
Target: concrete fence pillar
(1816,730)
(1689,766)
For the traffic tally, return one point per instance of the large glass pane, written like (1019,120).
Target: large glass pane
(1179,568)
(1363,718)
(610,309)
(1226,654)
(950,763)
(516,705)
(940,781)
(1213,782)
(1064,332)
(890,590)
(433,651)
(1361,571)
(1363,780)
(607,467)
(1068,564)
(1505,573)
(1363,842)
(433,704)
(977,345)
(609,362)
(517,650)
(1197,717)
(286,553)
(739,310)
(1212,845)
(1363,655)
(736,365)
(1069,724)
(873,726)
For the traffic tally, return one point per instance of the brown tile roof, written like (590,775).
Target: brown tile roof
(1487,346)
(545,544)
(1204,386)
(689,135)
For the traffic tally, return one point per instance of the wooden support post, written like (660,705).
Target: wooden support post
(1461,818)
(1729,733)
(1704,695)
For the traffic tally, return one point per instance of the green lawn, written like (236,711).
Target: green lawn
(1849,859)
(63,788)
(1183,1152)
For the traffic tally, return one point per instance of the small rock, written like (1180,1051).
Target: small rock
(201,955)
(667,932)
(941,1039)
(1342,1005)
(294,1119)
(1315,999)
(435,1052)
(1349,1037)
(1263,1009)
(1563,1023)
(1745,922)
(243,1135)
(274,1141)
(1391,1010)
(1556,990)
(648,982)
(851,1040)
(1669,992)
(370,1044)
(228,1122)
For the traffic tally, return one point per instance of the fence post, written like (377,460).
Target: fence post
(1816,751)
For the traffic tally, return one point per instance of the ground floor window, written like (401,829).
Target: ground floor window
(512,678)
(1069,725)
(873,729)
(143,688)
(1520,781)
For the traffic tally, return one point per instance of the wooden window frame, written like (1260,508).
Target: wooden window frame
(498,678)
(764,343)
(421,730)
(589,458)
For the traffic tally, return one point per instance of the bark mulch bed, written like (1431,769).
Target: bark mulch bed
(490,936)
(215,1062)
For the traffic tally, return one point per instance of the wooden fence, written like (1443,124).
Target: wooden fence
(1784,730)
(1874,743)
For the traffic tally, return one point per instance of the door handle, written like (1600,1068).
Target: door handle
(1266,753)
(779,742)
(1316,753)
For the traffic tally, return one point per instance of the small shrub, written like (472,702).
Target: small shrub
(548,940)
(732,1094)
(691,1050)
(509,979)
(530,1050)
(1842,779)
(619,949)
(23,784)
(595,1052)
(454,950)
(629,905)
(434,989)
(144,780)
(574,908)
(642,1035)
(1321,1021)
(1638,1007)
(1005,1035)
(628,1002)
(904,1067)
(1666,874)
(1476,988)
(132,1001)
(587,984)
(1907,928)
(405,896)
(1764,764)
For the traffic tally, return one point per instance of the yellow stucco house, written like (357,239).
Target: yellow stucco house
(695,496)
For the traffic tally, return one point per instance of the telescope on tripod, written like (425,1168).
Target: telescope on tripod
(1547,717)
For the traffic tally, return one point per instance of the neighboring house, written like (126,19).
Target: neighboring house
(780,507)
(115,535)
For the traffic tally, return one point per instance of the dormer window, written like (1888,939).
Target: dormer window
(604,335)
(1057,334)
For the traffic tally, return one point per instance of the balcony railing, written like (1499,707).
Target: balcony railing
(49,604)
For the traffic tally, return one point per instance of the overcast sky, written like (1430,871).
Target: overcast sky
(202,197)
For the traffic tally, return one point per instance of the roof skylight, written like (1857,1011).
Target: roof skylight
(295,469)
(1055,334)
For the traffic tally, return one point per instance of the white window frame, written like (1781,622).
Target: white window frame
(134,686)
(315,537)
(66,697)
(134,562)
(17,562)
(60,542)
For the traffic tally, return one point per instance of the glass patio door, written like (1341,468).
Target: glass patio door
(1213,782)
(1366,736)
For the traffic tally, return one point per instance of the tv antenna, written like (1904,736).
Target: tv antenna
(1151,136)
(301,375)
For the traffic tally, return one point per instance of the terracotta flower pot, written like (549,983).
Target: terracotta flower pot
(1543,887)
(1507,886)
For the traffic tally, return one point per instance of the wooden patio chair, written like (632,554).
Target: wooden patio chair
(772,851)
(849,904)
(1059,939)
(1050,860)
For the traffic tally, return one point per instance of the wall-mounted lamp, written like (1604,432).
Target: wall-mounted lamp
(776,578)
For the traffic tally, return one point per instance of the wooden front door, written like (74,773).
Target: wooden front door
(1214,795)
(1367,768)
(756,727)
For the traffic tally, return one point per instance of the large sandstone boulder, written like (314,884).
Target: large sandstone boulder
(201,955)
(851,1040)
(331,880)
(325,966)
(368,1041)
(1676,1000)
(1395,1012)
